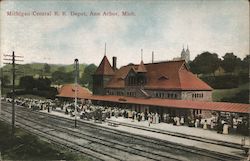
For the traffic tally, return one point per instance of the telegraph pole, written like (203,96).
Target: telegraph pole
(13,70)
(76,76)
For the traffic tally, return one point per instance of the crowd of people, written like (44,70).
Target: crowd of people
(101,113)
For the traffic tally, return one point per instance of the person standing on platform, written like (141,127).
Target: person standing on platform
(165,117)
(212,123)
(196,124)
(182,120)
(205,125)
(139,117)
(146,115)
(149,119)
(178,121)
(142,116)
(225,128)
(153,115)
(156,118)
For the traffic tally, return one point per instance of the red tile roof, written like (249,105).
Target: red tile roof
(183,104)
(104,68)
(68,90)
(175,73)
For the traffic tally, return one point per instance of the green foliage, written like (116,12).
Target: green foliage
(230,62)
(246,64)
(240,97)
(42,83)
(218,95)
(86,78)
(205,63)
(27,82)
(59,77)
(37,69)
(40,87)
(5,80)
(46,68)
(222,82)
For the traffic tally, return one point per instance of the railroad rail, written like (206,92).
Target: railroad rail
(161,147)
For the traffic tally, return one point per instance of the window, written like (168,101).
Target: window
(197,95)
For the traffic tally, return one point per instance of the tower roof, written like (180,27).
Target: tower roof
(183,51)
(141,68)
(187,51)
(104,68)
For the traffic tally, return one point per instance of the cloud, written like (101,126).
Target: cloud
(162,27)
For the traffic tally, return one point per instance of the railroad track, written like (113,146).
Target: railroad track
(144,154)
(148,142)
(58,141)
(54,138)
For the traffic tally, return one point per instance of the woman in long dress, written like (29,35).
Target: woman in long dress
(205,125)
(142,116)
(182,120)
(178,121)
(196,124)
(149,119)
(156,118)
(225,128)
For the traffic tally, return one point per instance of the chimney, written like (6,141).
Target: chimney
(152,56)
(114,63)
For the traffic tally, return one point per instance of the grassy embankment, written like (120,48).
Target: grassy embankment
(220,94)
(25,146)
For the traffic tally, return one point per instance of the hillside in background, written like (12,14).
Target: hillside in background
(237,95)
(37,69)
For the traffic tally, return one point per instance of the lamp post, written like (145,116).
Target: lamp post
(76,76)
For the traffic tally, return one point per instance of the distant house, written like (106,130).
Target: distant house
(219,71)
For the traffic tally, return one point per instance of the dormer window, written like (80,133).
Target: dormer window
(163,77)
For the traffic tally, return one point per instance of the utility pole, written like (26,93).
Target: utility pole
(13,70)
(76,76)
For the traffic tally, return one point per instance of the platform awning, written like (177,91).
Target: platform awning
(170,103)
(69,91)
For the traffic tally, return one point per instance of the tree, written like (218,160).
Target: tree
(27,82)
(230,62)
(61,69)
(46,68)
(246,63)
(42,83)
(5,80)
(205,63)
(59,77)
(86,78)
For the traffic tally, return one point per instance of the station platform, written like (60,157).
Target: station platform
(182,135)
(189,131)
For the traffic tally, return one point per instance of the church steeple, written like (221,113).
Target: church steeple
(187,51)
(183,53)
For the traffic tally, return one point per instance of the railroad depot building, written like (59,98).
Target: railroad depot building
(151,82)
(164,87)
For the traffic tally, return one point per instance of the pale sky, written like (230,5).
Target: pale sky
(159,26)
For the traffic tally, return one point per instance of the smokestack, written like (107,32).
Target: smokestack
(152,56)
(114,63)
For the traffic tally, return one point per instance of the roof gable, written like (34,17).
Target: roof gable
(170,75)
